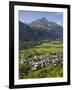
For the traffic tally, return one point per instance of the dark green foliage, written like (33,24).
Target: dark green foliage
(27,45)
(24,69)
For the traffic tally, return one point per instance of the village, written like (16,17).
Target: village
(38,62)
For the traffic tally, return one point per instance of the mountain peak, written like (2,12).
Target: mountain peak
(39,22)
(43,19)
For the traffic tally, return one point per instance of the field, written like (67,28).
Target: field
(41,59)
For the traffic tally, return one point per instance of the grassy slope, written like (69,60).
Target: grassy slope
(46,47)
(48,71)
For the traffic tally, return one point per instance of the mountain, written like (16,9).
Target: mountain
(26,33)
(39,30)
(43,23)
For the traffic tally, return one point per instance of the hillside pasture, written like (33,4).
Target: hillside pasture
(44,48)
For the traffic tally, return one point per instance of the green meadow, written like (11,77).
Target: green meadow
(31,49)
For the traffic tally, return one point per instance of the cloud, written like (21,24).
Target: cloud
(59,23)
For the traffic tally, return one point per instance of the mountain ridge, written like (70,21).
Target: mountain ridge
(40,29)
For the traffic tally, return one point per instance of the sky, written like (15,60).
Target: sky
(29,16)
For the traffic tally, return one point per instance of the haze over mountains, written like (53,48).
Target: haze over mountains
(40,29)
